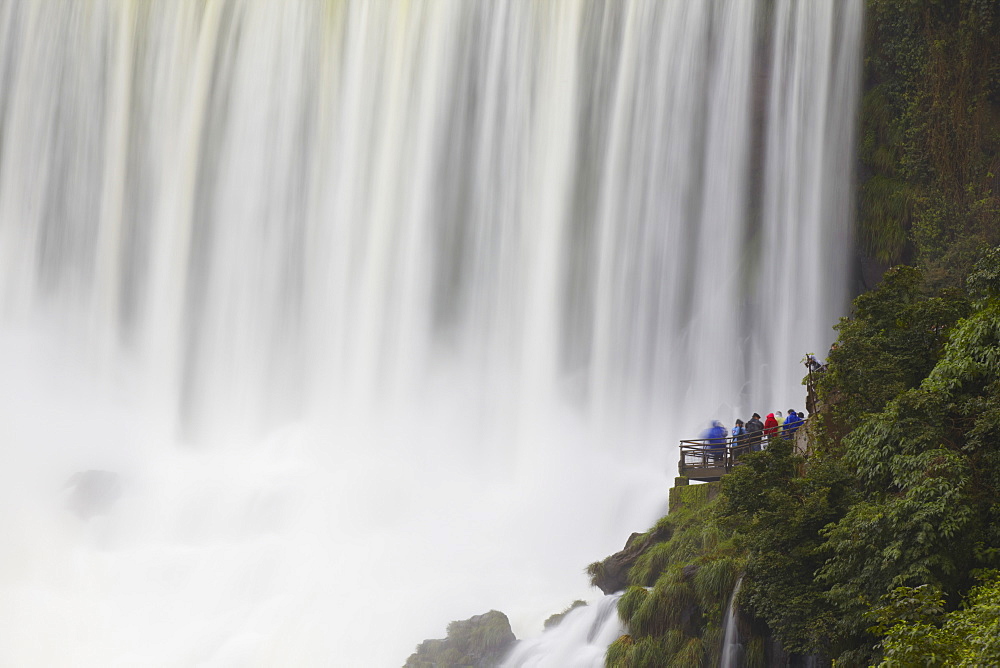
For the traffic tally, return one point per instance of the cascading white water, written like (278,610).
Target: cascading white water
(580,639)
(731,656)
(389,313)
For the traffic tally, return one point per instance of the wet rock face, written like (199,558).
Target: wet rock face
(481,641)
(90,493)
(611,575)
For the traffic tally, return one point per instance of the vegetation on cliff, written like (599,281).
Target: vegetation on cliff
(878,546)
(777,516)
(678,586)
(919,633)
(930,135)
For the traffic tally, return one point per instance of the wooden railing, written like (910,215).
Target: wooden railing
(704,454)
(710,459)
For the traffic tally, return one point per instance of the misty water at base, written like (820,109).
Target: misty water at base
(381,315)
(580,639)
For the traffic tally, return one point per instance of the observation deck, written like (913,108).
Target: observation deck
(705,460)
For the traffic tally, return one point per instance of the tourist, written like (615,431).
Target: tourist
(715,438)
(739,434)
(791,425)
(812,363)
(755,429)
(770,426)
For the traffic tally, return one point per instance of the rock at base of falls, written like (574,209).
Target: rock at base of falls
(480,641)
(554,620)
(611,574)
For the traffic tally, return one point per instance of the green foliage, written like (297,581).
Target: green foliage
(756,657)
(619,654)
(655,611)
(679,587)
(619,570)
(889,345)
(690,656)
(855,551)
(627,652)
(929,138)
(777,516)
(918,631)
(984,280)
(712,636)
(689,531)
(670,605)
(977,625)
(887,208)
(928,473)
(903,538)
(631,601)
(714,581)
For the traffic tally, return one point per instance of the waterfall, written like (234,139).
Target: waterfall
(732,649)
(388,313)
(580,639)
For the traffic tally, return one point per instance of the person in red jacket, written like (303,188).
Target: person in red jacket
(770,427)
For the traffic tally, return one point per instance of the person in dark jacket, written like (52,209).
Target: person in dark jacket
(792,423)
(770,427)
(755,430)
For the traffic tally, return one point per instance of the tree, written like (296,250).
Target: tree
(928,469)
(891,343)
(777,516)
(918,632)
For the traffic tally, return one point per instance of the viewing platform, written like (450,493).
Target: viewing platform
(705,460)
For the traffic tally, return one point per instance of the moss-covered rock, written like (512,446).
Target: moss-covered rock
(612,574)
(685,494)
(558,617)
(477,642)
(680,574)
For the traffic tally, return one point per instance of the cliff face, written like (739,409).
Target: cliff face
(677,578)
(681,575)
(929,152)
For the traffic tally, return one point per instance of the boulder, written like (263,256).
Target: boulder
(611,575)
(481,642)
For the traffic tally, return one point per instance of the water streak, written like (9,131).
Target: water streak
(732,649)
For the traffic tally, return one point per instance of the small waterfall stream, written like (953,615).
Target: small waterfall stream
(732,649)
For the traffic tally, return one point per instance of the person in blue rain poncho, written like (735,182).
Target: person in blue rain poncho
(739,435)
(716,437)
(792,423)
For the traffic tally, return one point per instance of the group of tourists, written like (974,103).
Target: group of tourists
(754,433)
